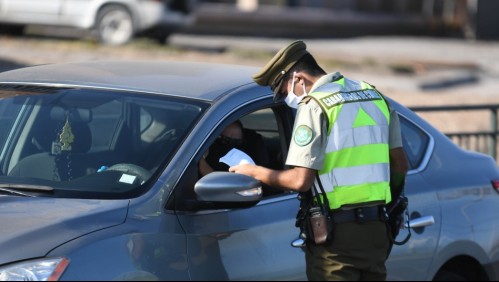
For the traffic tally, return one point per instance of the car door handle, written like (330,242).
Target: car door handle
(420,222)
(413,223)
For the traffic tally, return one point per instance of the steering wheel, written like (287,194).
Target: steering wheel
(142,173)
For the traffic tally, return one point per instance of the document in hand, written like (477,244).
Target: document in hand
(236,157)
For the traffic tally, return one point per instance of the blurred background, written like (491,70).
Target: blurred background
(345,18)
(419,52)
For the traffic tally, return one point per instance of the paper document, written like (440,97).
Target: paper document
(236,157)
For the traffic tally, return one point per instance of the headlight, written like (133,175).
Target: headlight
(34,270)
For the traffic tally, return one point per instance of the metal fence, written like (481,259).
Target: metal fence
(479,141)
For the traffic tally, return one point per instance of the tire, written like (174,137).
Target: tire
(15,30)
(157,34)
(444,275)
(115,25)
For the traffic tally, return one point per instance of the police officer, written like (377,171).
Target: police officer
(347,138)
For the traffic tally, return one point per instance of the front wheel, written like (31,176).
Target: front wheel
(444,275)
(115,25)
(16,30)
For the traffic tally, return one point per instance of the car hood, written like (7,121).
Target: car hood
(31,227)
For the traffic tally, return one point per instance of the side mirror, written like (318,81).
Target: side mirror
(228,190)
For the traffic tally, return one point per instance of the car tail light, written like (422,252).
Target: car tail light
(495,185)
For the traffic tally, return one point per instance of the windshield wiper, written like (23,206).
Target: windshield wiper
(19,189)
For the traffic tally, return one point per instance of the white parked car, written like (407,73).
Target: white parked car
(113,22)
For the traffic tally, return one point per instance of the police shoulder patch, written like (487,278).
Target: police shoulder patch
(303,135)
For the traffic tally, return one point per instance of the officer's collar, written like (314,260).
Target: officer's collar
(326,79)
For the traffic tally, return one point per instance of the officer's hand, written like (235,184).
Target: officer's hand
(247,169)
(259,173)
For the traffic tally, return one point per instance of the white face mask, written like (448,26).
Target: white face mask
(292,100)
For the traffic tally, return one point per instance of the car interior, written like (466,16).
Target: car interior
(267,124)
(48,163)
(66,138)
(74,142)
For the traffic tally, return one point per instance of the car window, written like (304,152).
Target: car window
(264,123)
(106,119)
(415,142)
(273,143)
(91,143)
(268,138)
(9,112)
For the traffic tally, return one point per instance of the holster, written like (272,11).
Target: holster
(302,221)
(396,210)
(321,225)
(314,219)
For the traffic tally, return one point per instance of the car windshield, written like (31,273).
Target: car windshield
(84,143)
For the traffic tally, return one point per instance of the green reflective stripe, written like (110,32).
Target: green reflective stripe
(332,115)
(380,103)
(360,155)
(340,81)
(366,85)
(363,119)
(357,194)
(383,108)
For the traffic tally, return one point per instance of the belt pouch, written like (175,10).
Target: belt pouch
(319,225)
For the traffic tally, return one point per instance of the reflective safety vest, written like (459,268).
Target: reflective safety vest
(356,169)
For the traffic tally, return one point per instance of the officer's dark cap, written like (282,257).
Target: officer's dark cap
(273,73)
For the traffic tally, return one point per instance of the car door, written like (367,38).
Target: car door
(413,259)
(31,11)
(247,243)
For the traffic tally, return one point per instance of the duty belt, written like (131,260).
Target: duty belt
(359,215)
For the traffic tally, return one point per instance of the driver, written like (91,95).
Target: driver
(233,136)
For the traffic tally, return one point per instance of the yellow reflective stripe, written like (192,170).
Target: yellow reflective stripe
(355,156)
(356,194)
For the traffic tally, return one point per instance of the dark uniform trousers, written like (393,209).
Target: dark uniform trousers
(357,252)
